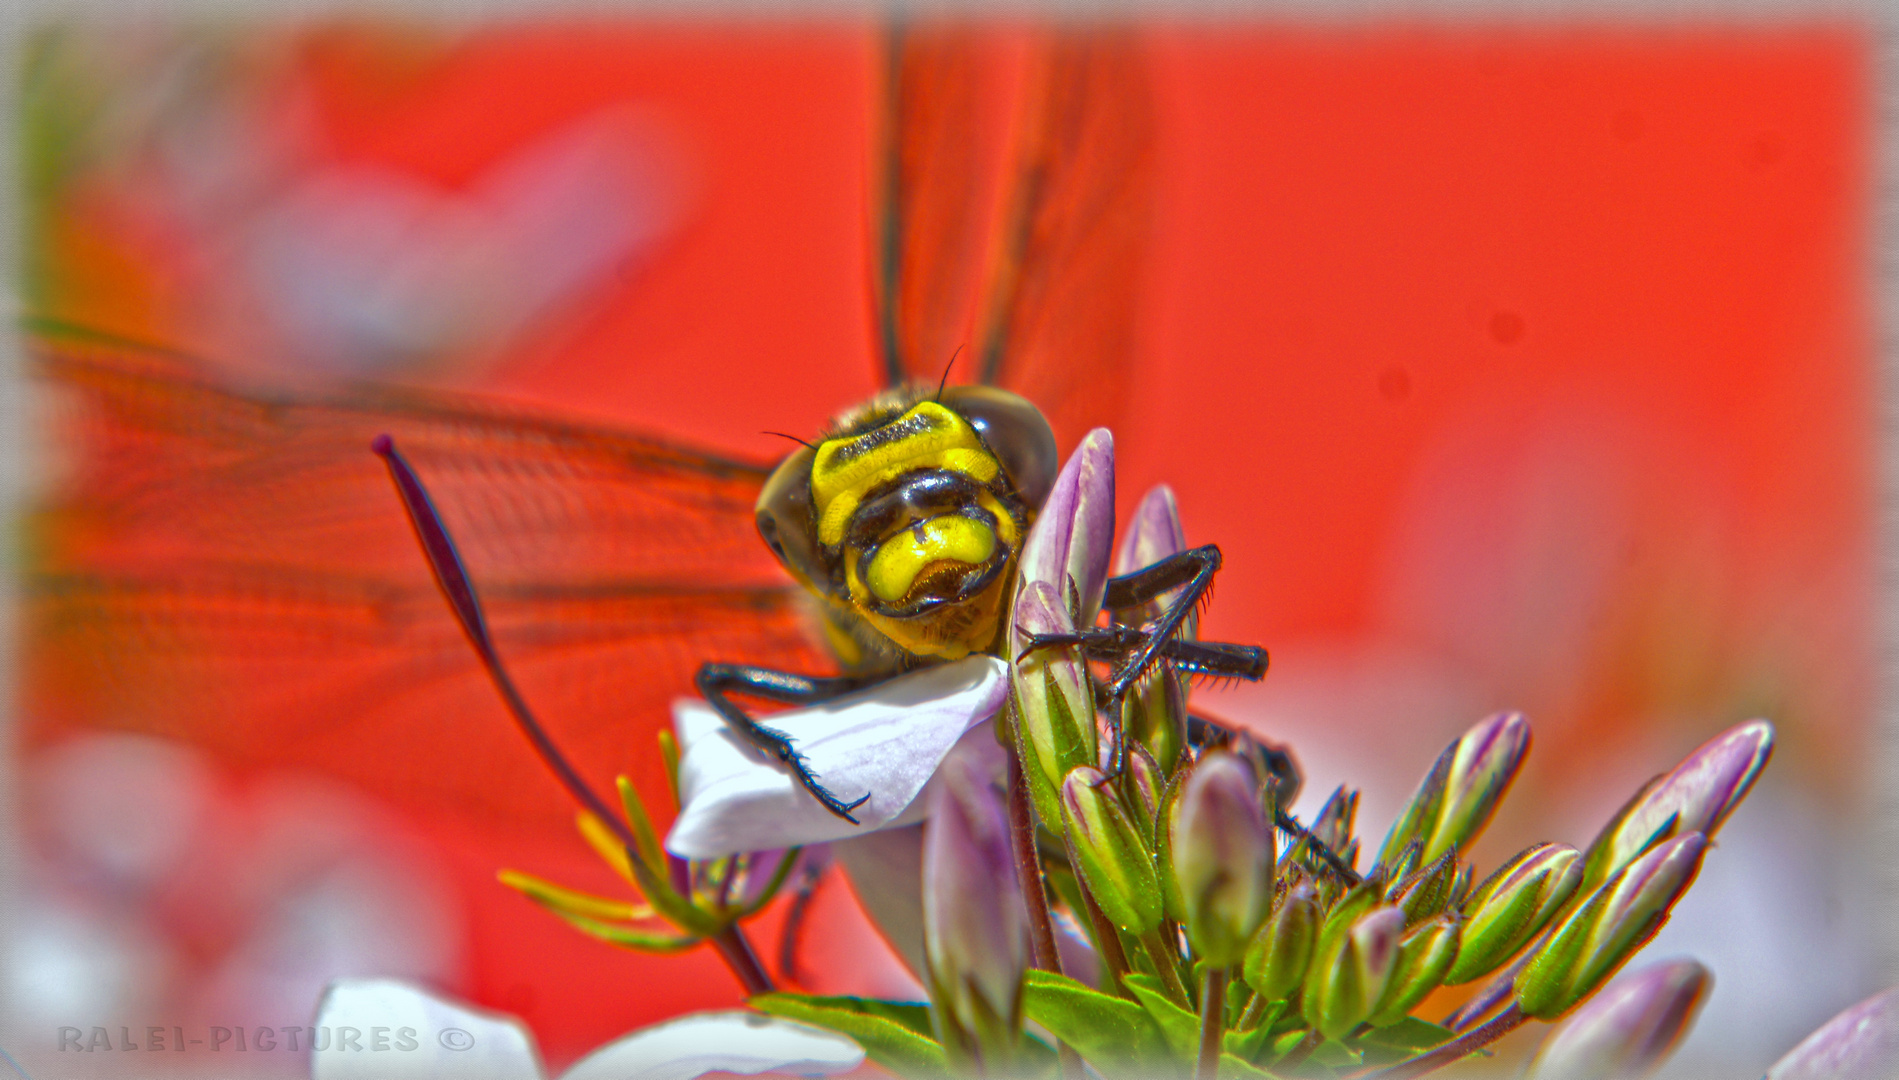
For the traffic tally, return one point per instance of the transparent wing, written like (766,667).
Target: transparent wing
(236,571)
(1059,317)
(940,145)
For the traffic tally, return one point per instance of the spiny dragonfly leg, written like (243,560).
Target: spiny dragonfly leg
(716,681)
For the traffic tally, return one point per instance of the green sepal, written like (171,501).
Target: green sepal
(1249,1043)
(884,1029)
(1409,1034)
(627,937)
(1111,1032)
(1178,1026)
(648,863)
(550,895)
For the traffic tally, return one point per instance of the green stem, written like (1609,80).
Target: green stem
(1107,941)
(1212,1022)
(1255,1010)
(1296,1056)
(736,950)
(1457,1049)
(1028,867)
(1167,963)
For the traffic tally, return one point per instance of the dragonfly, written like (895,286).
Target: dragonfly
(229,567)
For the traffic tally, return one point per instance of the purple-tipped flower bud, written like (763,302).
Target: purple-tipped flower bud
(1350,971)
(1143,785)
(1277,960)
(1861,1043)
(1110,852)
(1223,857)
(1628,1030)
(1424,956)
(1695,796)
(975,930)
(1154,715)
(1054,705)
(1153,533)
(1512,905)
(1616,920)
(1458,796)
(1074,531)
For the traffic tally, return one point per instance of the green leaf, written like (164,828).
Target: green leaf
(1247,1044)
(1410,1033)
(1286,1040)
(1179,1027)
(1232,1068)
(1333,1052)
(884,1029)
(1110,1032)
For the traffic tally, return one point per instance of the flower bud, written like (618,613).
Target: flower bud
(1625,1032)
(1153,533)
(1070,540)
(1858,1044)
(1110,852)
(974,921)
(1615,921)
(1333,825)
(1054,705)
(1142,786)
(1695,796)
(1424,956)
(1277,960)
(1429,891)
(1512,905)
(1223,857)
(1155,714)
(1458,796)
(1350,971)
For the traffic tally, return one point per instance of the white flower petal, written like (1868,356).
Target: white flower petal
(733,1042)
(385,1029)
(886,741)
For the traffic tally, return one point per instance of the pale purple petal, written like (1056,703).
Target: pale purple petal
(1153,532)
(1627,1029)
(1073,533)
(1861,1043)
(886,741)
(726,1042)
(1039,610)
(423,1037)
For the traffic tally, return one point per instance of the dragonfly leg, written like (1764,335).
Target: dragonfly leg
(1189,571)
(1206,734)
(716,681)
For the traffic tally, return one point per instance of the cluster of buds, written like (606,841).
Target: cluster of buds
(1240,946)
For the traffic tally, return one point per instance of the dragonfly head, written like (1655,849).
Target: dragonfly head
(909,513)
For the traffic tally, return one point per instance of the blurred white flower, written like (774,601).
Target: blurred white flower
(384,1029)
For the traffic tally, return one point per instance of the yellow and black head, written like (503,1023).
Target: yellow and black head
(906,518)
